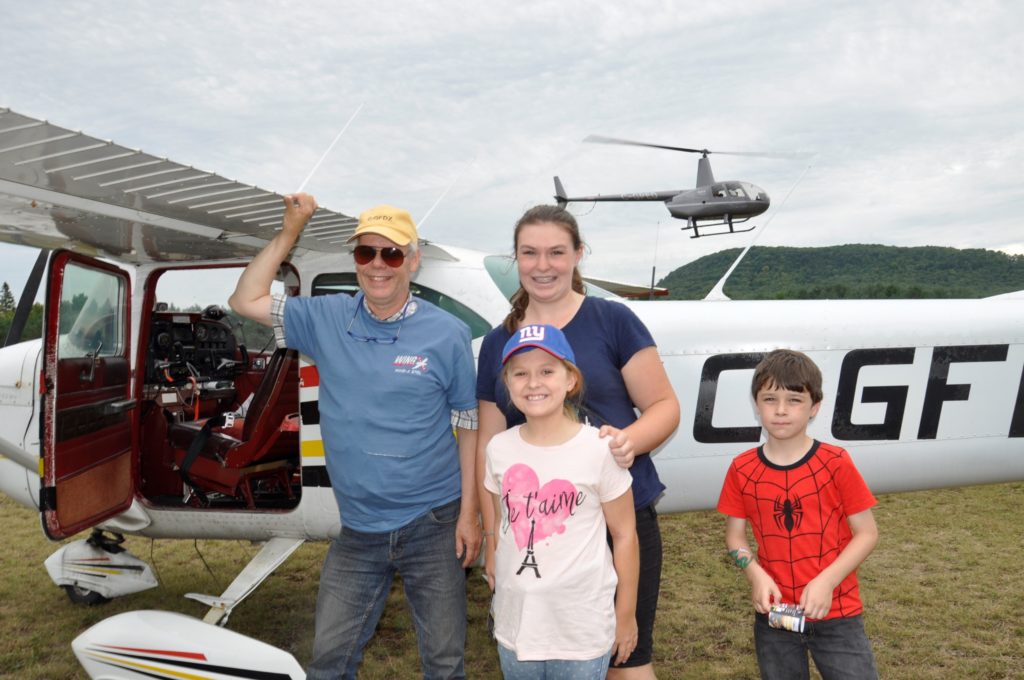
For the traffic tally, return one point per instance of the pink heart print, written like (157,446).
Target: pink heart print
(548,506)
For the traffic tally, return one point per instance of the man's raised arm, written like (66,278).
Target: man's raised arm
(251,298)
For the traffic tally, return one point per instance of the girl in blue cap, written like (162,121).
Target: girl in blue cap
(629,396)
(564,603)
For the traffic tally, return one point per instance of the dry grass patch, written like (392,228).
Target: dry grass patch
(942,592)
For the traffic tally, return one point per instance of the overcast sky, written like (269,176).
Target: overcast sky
(913,109)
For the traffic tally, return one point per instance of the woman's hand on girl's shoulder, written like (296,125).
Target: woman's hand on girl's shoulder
(620,445)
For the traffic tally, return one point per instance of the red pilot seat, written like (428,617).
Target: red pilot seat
(262,446)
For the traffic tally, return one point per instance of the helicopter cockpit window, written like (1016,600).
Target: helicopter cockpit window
(729,190)
(753,191)
(345,282)
(90,321)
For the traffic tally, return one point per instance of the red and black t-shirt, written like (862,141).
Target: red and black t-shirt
(798,514)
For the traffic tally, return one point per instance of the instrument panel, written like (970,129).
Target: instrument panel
(185,345)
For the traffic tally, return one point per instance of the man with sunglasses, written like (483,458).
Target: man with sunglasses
(396,374)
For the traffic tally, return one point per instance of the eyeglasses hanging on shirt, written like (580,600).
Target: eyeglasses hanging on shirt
(386,340)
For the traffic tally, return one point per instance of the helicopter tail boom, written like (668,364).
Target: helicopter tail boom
(660,196)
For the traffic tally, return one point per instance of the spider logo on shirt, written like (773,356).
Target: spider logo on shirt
(788,513)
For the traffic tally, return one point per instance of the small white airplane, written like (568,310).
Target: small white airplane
(101,419)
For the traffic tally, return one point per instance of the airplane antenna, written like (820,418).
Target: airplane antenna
(152,558)
(718,291)
(654,263)
(419,224)
(195,544)
(331,146)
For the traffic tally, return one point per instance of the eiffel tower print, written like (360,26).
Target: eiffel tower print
(530,561)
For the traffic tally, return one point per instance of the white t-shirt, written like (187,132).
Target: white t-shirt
(554,577)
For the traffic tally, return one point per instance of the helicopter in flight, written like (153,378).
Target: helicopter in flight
(710,204)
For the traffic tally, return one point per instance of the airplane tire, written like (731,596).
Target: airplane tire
(89,598)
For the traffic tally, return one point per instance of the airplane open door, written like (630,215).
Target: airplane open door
(87,407)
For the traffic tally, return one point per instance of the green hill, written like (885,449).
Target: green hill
(854,271)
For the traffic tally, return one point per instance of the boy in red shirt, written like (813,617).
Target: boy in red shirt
(810,512)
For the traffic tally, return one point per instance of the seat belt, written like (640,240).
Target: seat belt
(195,448)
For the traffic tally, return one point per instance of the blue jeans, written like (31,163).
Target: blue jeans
(552,669)
(354,585)
(840,648)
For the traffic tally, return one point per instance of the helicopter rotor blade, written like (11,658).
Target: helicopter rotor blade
(599,139)
(767,154)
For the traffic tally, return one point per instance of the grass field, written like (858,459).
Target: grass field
(943,594)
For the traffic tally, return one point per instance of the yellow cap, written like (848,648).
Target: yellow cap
(388,221)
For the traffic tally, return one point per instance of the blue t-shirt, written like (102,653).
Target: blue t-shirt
(604,336)
(385,409)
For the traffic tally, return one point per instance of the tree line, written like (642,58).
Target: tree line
(856,271)
(8,304)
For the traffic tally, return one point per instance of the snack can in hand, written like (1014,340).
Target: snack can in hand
(787,617)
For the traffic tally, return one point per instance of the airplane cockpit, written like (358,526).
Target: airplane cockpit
(187,345)
(219,420)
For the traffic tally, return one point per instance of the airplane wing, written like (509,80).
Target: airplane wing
(1015,295)
(60,188)
(627,290)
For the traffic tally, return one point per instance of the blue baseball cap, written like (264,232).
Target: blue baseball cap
(539,336)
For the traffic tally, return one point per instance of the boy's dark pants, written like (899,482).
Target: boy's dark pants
(840,649)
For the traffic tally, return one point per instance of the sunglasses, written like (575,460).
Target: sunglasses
(392,256)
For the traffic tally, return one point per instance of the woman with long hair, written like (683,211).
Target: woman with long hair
(624,374)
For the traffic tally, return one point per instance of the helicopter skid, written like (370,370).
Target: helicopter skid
(695,225)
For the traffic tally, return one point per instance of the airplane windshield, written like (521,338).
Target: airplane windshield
(192,290)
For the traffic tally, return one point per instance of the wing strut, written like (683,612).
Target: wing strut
(274,553)
(28,297)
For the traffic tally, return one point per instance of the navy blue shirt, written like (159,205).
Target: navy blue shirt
(604,336)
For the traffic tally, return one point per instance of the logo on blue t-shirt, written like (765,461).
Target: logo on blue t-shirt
(410,363)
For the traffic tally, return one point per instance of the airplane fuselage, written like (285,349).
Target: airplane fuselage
(919,401)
